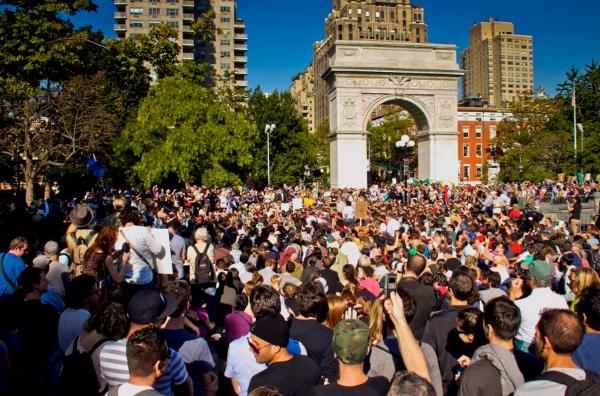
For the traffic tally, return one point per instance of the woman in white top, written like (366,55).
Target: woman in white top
(143,248)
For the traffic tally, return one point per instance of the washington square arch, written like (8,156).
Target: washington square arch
(421,78)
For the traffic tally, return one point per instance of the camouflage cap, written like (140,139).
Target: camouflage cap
(351,341)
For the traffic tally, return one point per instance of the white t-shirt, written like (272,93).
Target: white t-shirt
(241,364)
(128,389)
(549,388)
(351,251)
(531,308)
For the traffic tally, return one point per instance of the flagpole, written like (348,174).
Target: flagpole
(574,100)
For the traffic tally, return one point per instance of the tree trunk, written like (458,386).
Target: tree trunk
(29,181)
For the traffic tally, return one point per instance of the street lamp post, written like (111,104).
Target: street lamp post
(518,147)
(268,130)
(407,143)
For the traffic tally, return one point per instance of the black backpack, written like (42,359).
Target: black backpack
(590,386)
(203,268)
(78,375)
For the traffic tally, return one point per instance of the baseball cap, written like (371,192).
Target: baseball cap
(150,306)
(51,248)
(351,341)
(273,329)
(541,270)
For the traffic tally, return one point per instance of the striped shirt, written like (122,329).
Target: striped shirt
(113,368)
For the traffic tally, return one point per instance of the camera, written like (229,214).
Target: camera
(390,284)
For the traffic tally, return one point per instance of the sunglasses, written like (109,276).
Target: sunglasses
(256,349)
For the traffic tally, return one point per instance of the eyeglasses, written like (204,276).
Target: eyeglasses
(254,347)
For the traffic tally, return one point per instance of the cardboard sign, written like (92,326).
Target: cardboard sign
(361,209)
(561,177)
(163,262)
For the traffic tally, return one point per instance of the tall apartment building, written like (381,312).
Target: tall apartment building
(387,20)
(498,63)
(303,91)
(227,53)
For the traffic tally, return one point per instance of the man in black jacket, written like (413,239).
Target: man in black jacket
(461,288)
(315,337)
(423,294)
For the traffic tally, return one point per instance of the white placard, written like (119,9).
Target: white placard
(297,203)
(285,206)
(163,262)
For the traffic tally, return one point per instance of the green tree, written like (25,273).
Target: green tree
(291,147)
(534,141)
(383,138)
(61,127)
(587,85)
(184,130)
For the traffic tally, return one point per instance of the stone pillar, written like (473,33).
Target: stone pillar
(348,160)
(438,157)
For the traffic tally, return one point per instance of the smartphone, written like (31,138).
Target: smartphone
(390,284)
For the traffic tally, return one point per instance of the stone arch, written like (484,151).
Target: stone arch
(422,78)
(415,106)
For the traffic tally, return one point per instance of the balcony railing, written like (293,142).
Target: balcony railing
(241,47)
(188,16)
(241,59)
(120,15)
(120,27)
(239,36)
(188,3)
(120,2)
(241,83)
(240,71)
(188,43)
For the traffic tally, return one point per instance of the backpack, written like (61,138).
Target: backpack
(78,375)
(203,269)
(590,386)
(81,246)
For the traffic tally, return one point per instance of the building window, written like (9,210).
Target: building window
(172,11)
(172,1)
(136,11)
(153,11)
(226,32)
(225,19)
(478,132)
(174,24)
(479,150)
(135,24)
(492,132)
(478,171)
(225,66)
(225,54)
(466,132)
(225,42)
(153,23)
(466,150)
(225,9)
(466,173)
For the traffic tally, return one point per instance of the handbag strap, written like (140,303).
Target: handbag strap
(135,250)
(5,275)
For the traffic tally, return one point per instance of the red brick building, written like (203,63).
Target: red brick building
(476,128)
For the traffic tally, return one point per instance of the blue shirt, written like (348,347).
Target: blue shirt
(13,266)
(587,355)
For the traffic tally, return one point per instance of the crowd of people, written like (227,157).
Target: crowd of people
(411,289)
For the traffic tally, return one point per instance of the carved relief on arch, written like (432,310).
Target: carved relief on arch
(446,112)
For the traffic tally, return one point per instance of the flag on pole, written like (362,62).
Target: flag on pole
(574,98)
(95,167)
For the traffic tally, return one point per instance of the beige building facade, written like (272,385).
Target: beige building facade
(363,20)
(227,53)
(498,63)
(303,92)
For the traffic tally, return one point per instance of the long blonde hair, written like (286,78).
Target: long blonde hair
(585,277)
(376,321)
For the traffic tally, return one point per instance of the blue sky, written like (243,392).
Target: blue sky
(281,32)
